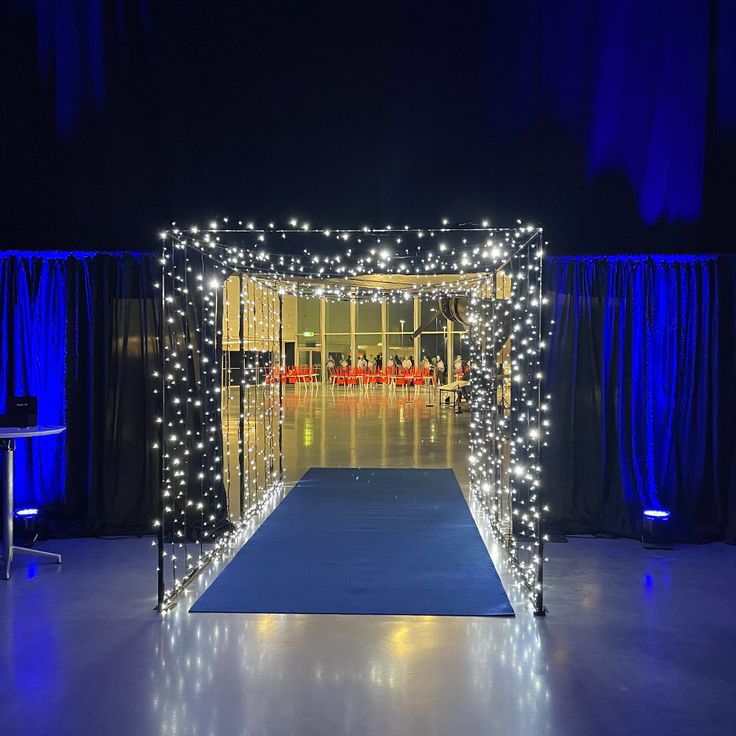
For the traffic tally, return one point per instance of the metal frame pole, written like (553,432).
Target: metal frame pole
(7,447)
(241,400)
(539,602)
(161,585)
(281,388)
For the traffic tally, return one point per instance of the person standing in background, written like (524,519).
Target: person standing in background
(439,371)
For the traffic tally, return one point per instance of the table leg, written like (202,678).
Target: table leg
(39,553)
(7,447)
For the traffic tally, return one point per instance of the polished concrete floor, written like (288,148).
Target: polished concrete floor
(636,642)
(376,428)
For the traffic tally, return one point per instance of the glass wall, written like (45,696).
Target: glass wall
(338,348)
(400,326)
(369,323)
(338,317)
(308,317)
(460,347)
(397,346)
(431,342)
(311,358)
(368,318)
(373,337)
(434,344)
(403,310)
(368,345)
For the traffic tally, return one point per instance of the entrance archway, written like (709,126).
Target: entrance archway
(225,296)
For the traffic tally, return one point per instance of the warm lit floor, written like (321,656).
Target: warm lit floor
(636,642)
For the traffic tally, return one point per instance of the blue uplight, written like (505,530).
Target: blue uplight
(656,514)
(26,513)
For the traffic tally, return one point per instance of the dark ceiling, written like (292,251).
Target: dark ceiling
(613,124)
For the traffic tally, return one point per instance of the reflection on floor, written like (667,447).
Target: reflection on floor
(374,428)
(636,642)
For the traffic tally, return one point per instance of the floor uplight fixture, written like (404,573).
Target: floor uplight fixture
(654,530)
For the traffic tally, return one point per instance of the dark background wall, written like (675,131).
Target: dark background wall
(612,123)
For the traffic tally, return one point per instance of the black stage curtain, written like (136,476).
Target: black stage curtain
(79,331)
(112,326)
(640,367)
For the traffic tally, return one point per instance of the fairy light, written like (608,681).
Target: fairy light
(499,270)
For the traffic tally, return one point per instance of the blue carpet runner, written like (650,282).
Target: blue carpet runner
(364,541)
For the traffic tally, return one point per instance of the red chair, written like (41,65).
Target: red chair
(402,378)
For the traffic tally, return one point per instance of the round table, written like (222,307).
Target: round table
(8,436)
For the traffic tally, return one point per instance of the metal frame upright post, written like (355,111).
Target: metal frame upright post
(281,388)
(539,598)
(241,399)
(161,434)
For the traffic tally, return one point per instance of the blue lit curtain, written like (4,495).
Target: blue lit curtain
(32,335)
(641,365)
(78,330)
(77,43)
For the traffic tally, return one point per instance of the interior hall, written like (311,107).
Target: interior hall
(367,369)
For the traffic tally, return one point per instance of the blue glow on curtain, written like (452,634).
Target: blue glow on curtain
(72,53)
(628,80)
(634,367)
(640,366)
(649,107)
(34,319)
(33,359)
(726,64)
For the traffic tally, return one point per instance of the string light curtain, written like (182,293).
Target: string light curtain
(200,515)
(498,271)
(508,434)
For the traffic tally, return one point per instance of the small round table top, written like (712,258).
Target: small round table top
(7,433)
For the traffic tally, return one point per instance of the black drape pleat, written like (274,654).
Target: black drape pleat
(79,331)
(640,366)
(112,326)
